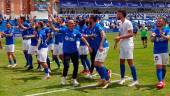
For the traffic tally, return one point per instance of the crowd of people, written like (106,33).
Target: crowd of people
(71,39)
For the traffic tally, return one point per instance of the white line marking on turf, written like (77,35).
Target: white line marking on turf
(61,90)
(74,88)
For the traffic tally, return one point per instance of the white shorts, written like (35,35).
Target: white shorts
(126,53)
(101,56)
(42,54)
(83,50)
(58,49)
(32,50)
(50,47)
(162,59)
(10,48)
(26,44)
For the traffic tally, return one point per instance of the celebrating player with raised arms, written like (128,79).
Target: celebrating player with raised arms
(70,50)
(24,28)
(32,49)
(9,35)
(58,22)
(160,36)
(126,46)
(58,41)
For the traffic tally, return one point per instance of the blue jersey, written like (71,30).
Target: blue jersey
(43,36)
(70,39)
(51,39)
(56,25)
(161,44)
(59,35)
(25,32)
(34,40)
(82,29)
(88,32)
(96,31)
(9,39)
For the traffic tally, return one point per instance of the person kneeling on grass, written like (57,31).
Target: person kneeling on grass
(71,35)
(8,34)
(160,37)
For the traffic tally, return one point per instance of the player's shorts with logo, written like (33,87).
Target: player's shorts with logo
(101,56)
(162,58)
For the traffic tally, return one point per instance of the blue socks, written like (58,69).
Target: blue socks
(48,62)
(56,60)
(83,63)
(26,57)
(30,59)
(133,71)
(10,62)
(100,72)
(46,71)
(163,73)
(103,73)
(122,70)
(159,73)
(15,61)
(87,62)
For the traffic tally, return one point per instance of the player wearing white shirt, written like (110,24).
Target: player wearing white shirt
(126,46)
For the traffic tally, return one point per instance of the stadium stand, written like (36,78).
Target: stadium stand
(109,6)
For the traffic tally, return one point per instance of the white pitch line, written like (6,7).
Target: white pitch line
(62,90)
(92,85)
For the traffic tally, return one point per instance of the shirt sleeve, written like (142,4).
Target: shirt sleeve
(168,32)
(129,26)
(26,25)
(62,30)
(100,29)
(40,34)
(79,35)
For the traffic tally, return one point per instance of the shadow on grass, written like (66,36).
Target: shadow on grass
(67,86)
(145,87)
(139,48)
(26,79)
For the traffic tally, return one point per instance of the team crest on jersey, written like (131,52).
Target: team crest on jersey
(69,38)
(156,58)
(74,35)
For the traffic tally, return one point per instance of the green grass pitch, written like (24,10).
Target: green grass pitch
(18,82)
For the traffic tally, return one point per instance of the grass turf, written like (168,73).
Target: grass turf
(18,82)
